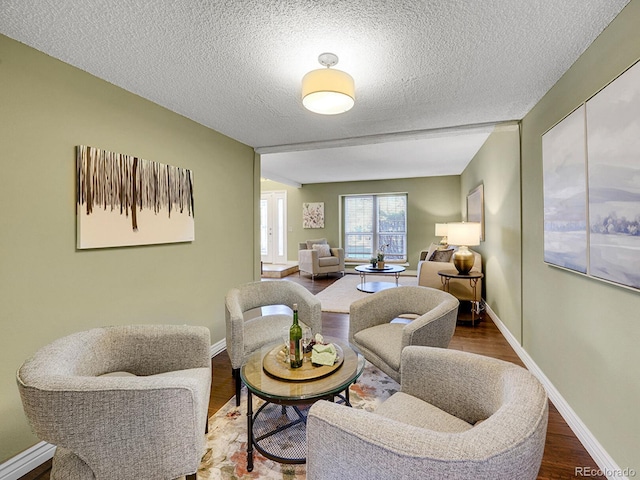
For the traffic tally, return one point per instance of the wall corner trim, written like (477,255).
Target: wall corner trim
(604,461)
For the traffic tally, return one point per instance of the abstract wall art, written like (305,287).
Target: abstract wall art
(123,200)
(313,215)
(591,173)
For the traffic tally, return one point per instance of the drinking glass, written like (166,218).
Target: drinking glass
(306,342)
(285,340)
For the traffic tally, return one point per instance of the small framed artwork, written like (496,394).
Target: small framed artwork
(475,208)
(313,215)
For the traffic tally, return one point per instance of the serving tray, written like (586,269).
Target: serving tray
(274,364)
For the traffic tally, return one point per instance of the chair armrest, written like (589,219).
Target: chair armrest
(436,327)
(428,273)
(338,252)
(308,260)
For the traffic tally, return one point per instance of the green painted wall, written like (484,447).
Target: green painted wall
(431,200)
(583,333)
(49,289)
(497,167)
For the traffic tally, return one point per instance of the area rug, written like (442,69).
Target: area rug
(339,296)
(226,450)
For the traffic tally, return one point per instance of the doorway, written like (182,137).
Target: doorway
(273,227)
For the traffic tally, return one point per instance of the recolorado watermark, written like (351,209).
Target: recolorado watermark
(609,473)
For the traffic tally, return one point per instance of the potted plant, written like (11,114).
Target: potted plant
(374,262)
(380,255)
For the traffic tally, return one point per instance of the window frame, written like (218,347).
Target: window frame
(376,226)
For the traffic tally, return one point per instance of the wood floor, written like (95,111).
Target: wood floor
(563,452)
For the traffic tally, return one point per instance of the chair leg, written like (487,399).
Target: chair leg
(236,374)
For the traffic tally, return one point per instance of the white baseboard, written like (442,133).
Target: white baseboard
(608,467)
(216,348)
(32,458)
(24,462)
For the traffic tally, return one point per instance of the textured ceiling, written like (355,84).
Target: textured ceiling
(236,66)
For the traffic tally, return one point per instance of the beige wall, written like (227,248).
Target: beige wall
(583,333)
(49,289)
(431,200)
(497,167)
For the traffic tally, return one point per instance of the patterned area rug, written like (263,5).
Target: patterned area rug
(339,296)
(226,455)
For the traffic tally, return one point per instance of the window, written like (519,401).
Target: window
(373,221)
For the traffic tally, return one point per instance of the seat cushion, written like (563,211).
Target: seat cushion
(413,411)
(385,340)
(328,261)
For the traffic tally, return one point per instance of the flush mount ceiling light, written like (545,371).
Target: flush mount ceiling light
(328,91)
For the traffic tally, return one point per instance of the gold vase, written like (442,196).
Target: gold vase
(380,264)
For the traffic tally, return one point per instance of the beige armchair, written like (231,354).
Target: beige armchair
(121,402)
(382,342)
(461,289)
(458,416)
(247,332)
(316,257)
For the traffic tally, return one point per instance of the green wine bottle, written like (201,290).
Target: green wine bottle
(295,340)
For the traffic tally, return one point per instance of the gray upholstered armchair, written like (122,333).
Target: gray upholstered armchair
(382,341)
(316,257)
(458,416)
(121,402)
(246,333)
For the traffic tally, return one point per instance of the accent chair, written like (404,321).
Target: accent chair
(381,341)
(458,416)
(316,257)
(248,331)
(121,402)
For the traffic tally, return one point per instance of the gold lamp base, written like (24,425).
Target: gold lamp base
(463,260)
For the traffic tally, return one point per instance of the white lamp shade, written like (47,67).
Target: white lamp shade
(328,91)
(464,233)
(441,229)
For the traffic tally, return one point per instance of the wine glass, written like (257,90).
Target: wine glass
(285,340)
(306,342)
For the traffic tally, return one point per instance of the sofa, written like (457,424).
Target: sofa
(317,256)
(443,260)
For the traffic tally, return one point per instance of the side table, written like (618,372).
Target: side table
(473,277)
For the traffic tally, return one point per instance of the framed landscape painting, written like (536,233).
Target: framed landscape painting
(565,193)
(613,143)
(123,200)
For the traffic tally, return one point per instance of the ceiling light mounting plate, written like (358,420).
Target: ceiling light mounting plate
(328,59)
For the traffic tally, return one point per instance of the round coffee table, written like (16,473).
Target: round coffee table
(278,428)
(373,287)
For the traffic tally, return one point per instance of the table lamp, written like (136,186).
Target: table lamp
(441,231)
(464,235)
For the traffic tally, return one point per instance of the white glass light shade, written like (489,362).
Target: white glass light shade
(441,229)
(463,233)
(328,91)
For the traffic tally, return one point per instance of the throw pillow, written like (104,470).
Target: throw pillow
(323,249)
(319,241)
(442,255)
(432,248)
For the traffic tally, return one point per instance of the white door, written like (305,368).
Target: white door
(273,227)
